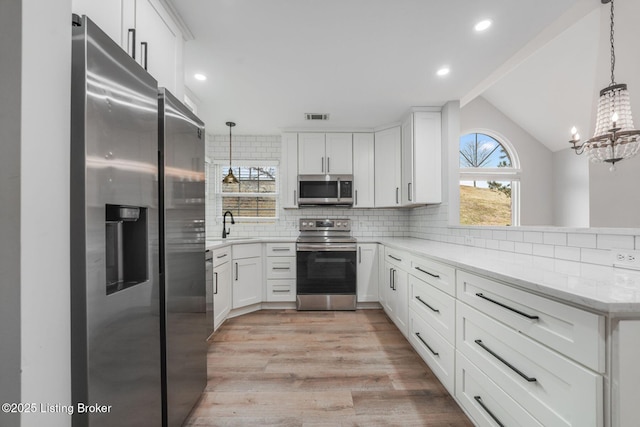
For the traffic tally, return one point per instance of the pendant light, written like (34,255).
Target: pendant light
(230,178)
(615,138)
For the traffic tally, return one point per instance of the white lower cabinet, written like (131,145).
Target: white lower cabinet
(396,290)
(436,308)
(221,285)
(247,275)
(367,272)
(281,272)
(487,403)
(436,351)
(555,390)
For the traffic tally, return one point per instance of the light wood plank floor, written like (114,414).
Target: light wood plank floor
(325,368)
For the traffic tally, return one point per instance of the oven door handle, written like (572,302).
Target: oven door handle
(331,247)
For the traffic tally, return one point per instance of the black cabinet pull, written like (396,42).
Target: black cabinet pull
(131,42)
(479,400)
(144,53)
(426,272)
(394,279)
(509,365)
(392,257)
(216,282)
(427,345)
(391,278)
(528,316)
(425,303)
(236,271)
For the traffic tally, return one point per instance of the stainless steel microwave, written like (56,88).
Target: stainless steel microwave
(336,190)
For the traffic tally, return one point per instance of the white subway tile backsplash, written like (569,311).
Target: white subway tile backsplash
(611,241)
(543,250)
(499,235)
(515,236)
(581,240)
(595,256)
(493,244)
(532,236)
(567,252)
(505,245)
(523,248)
(551,238)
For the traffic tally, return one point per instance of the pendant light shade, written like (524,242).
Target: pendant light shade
(615,138)
(230,178)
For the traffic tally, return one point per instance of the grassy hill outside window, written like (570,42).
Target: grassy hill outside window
(254,197)
(489,180)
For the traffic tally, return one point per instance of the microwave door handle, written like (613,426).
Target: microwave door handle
(338,189)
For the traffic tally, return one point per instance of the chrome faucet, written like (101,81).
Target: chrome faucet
(226,232)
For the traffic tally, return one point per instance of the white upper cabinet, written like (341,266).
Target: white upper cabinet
(158,42)
(320,153)
(289,170)
(311,154)
(388,167)
(145,30)
(421,159)
(339,152)
(363,170)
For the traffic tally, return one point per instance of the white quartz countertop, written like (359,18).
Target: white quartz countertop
(605,289)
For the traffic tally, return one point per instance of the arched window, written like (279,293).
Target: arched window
(489,181)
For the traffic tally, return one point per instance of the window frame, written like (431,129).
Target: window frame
(511,173)
(221,166)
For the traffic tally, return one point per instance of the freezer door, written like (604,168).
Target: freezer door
(115,294)
(182,218)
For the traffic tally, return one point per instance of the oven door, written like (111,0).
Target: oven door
(326,268)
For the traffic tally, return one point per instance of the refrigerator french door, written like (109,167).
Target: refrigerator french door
(115,292)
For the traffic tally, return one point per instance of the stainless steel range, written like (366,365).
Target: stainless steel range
(326,265)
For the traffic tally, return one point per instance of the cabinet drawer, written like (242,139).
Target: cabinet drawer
(281,290)
(398,258)
(552,388)
(281,267)
(487,403)
(436,308)
(436,274)
(281,249)
(249,250)
(433,349)
(220,256)
(573,332)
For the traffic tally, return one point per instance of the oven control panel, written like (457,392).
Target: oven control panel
(325,224)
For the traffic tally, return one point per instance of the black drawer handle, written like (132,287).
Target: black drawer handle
(425,303)
(427,345)
(221,256)
(479,400)
(392,257)
(528,316)
(426,272)
(281,268)
(509,365)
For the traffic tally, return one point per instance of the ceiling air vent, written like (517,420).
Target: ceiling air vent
(316,116)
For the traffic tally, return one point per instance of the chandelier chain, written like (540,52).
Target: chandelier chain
(613,52)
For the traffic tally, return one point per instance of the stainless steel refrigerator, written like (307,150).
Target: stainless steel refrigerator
(125,307)
(182,271)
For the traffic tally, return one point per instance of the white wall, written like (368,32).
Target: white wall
(10,36)
(536,187)
(38,189)
(570,189)
(614,196)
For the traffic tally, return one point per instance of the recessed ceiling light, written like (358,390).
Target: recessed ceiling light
(200,77)
(443,71)
(483,25)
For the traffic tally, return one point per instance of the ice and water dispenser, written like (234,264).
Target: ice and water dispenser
(126,247)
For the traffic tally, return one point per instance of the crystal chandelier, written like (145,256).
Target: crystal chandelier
(615,138)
